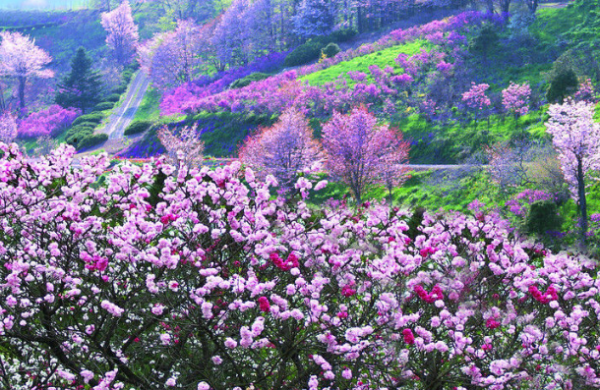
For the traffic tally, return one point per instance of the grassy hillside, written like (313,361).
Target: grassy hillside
(381,58)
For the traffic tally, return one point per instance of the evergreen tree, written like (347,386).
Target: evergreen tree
(81,87)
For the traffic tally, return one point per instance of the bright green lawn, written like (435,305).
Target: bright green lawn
(381,58)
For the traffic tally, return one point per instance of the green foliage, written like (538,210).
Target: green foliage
(342,35)
(81,87)
(256,76)
(563,84)
(330,50)
(303,54)
(104,106)
(91,140)
(543,217)
(114,97)
(94,117)
(76,134)
(485,41)
(137,127)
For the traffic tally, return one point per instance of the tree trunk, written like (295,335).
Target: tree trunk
(582,200)
(22,81)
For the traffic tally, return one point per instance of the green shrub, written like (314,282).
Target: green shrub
(75,137)
(104,106)
(563,84)
(342,35)
(485,41)
(330,50)
(543,217)
(114,97)
(137,127)
(94,117)
(303,54)
(256,76)
(91,140)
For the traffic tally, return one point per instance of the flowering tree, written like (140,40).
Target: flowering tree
(284,149)
(476,99)
(21,59)
(576,138)
(183,149)
(586,91)
(212,286)
(170,58)
(231,37)
(314,17)
(8,127)
(361,153)
(515,99)
(122,33)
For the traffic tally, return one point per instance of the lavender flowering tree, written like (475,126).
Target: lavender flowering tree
(8,127)
(284,149)
(361,153)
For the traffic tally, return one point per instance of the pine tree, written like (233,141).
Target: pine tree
(81,87)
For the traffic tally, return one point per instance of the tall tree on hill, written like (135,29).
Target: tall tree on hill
(231,36)
(122,36)
(314,17)
(81,87)
(21,59)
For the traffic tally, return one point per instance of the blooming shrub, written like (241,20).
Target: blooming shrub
(200,281)
(47,122)
(515,98)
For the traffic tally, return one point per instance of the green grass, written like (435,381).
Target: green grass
(149,108)
(381,58)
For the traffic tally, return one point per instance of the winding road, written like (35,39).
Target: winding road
(122,116)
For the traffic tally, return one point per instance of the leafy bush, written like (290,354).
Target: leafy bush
(91,140)
(303,54)
(342,35)
(127,75)
(120,89)
(73,138)
(563,83)
(104,106)
(543,217)
(485,41)
(256,76)
(137,127)
(330,50)
(94,117)
(113,97)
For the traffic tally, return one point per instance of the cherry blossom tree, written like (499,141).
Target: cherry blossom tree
(361,153)
(515,99)
(231,37)
(122,32)
(21,59)
(576,138)
(284,149)
(183,149)
(171,58)
(586,91)
(8,127)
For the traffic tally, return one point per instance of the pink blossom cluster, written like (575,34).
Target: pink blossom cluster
(47,122)
(515,98)
(475,98)
(202,302)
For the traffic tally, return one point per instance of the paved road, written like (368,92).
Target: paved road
(122,117)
